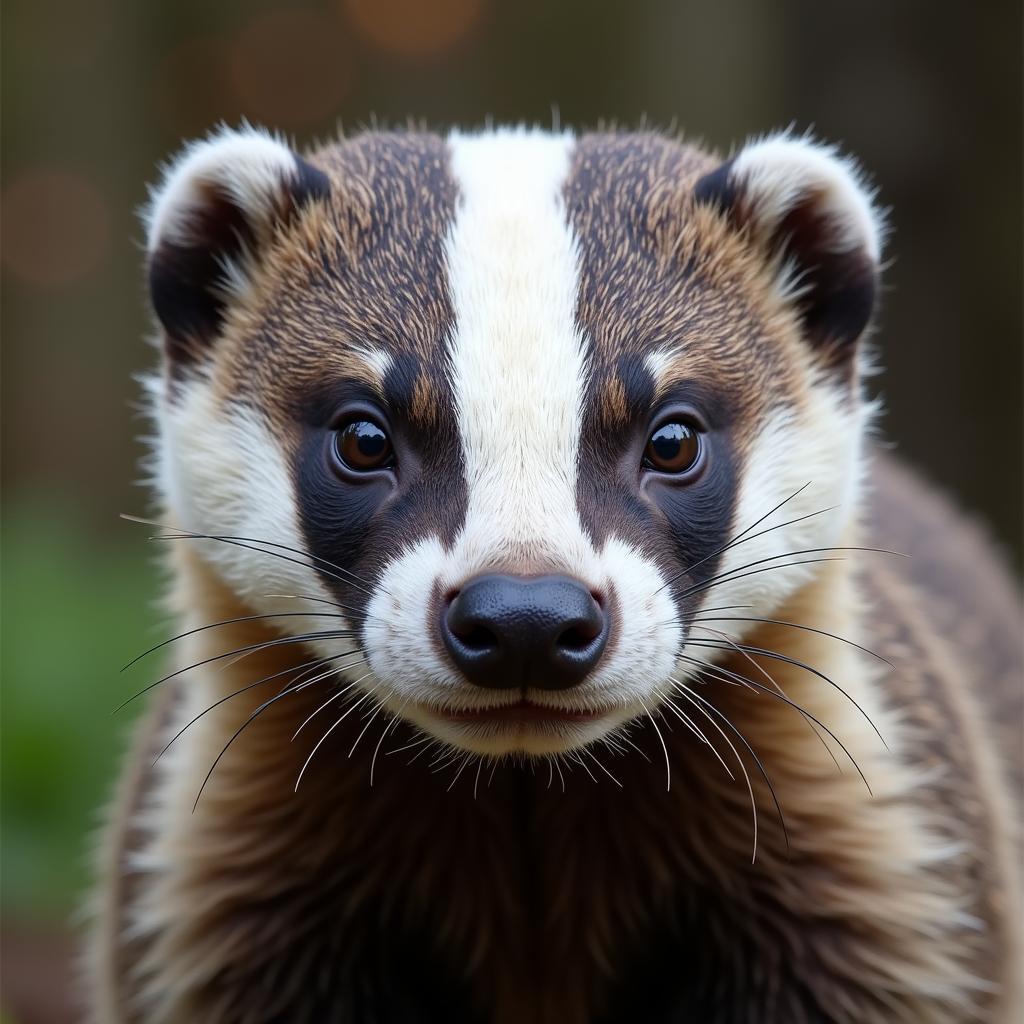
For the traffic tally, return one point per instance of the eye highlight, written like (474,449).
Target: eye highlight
(362,446)
(675,448)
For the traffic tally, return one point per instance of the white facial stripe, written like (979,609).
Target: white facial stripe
(518,370)
(517,360)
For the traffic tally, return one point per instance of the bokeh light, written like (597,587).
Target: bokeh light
(414,28)
(56,227)
(290,69)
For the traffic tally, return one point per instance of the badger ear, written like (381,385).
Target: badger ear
(209,222)
(809,210)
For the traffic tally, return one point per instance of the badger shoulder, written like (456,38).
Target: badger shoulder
(959,596)
(947,616)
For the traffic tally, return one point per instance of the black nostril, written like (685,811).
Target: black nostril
(508,631)
(578,638)
(476,637)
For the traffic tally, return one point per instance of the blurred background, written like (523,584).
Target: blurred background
(97,92)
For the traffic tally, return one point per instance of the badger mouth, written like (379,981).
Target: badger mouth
(523,723)
(518,712)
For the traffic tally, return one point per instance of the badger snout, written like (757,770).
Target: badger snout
(504,632)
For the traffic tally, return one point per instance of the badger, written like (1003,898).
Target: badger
(556,642)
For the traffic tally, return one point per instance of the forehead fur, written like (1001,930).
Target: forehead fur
(669,293)
(356,289)
(359,284)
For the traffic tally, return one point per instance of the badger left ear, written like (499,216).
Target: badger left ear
(808,209)
(211,222)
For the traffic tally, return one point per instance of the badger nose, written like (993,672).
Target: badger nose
(509,631)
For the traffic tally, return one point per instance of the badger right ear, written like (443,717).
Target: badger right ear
(214,213)
(809,211)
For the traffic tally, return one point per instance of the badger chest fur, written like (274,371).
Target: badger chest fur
(544,656)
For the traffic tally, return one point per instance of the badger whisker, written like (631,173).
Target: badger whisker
(476,781)
(697,732)
(793,625)
(369,722)
(727,676)
(685,692)
(725,607)
(593,757)
(797,663)
(782,526)
(612,743)
(309,666)
(246,542)
(309,597)
(320,742)
(558,768)
(629,743)
(330,700)
(663,698)
(757,760)
(229,622)
(771,679)
(445,755)
(249,649)
(717,608)
(717,581)
(576,759)
(376,750)
(431,743)
(664,747)
(737,538)
(462,768)
(408,746)
(238,732)
(729,574)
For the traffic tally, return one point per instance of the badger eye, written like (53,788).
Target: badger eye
(362,446)
(673,448)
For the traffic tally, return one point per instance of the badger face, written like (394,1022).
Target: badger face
(519,407)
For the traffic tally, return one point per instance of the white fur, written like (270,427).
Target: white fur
(222,472)
(249,165)
(780,170)
(517,360)
(807,457)
(379,361)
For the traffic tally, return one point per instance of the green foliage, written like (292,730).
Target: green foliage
(74,611)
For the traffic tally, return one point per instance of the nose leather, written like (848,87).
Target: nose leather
(505,631)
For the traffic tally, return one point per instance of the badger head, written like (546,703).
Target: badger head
(512,408)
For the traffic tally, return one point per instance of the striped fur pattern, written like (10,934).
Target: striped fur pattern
(762,821)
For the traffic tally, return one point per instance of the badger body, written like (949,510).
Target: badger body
(543,657)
